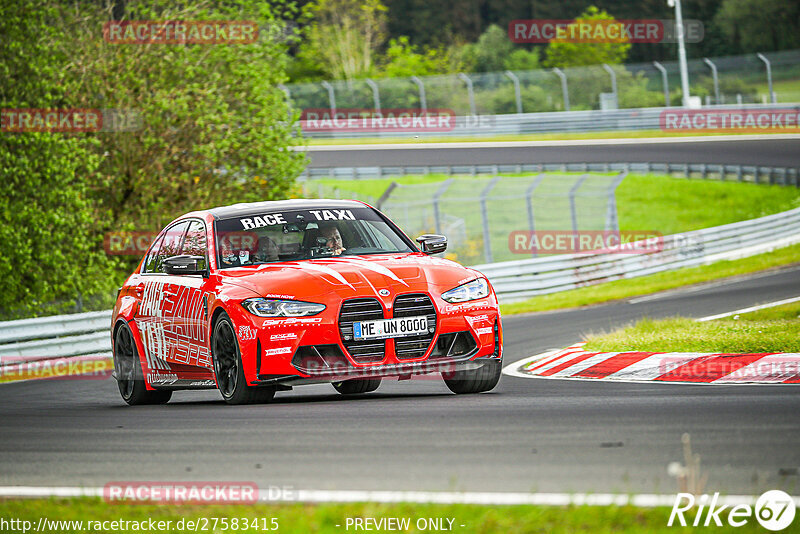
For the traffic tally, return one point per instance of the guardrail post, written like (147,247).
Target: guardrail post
(529,203)
(572,208)
(436,197)
(517,92)
(423,104)
(376,96)
(331,96)
(487,243)
(772,95)
(739,174)
(715,77)
(613,75)
(386,194)
(471,94)
(564,91)
(664,81)
(612,223)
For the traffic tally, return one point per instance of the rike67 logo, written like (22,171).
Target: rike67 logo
(774,510)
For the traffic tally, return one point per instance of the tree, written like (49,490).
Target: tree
(48,252)
(403,60)
(215,128)
(346,35)
(575,54)
(760,25)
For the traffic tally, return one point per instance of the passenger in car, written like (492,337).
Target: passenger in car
(331,233)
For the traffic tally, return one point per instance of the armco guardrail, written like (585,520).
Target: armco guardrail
(87,333)
(705,171)
(555,122)
(55,336)
(516,280)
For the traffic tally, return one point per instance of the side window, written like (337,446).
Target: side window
(170,245)
(195,243)
(151,260)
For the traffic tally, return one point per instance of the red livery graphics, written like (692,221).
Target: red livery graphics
(257,298)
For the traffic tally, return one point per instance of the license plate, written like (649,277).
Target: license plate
(385,328)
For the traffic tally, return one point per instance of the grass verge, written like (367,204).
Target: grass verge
(565,136)
(305,518)
(645,285)
(770,330)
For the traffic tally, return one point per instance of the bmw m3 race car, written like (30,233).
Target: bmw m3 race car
(256,298)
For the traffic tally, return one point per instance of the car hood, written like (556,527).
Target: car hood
(350,276)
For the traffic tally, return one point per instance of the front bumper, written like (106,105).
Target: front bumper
(316,349)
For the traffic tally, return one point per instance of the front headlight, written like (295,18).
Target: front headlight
(281,308)
(477,289)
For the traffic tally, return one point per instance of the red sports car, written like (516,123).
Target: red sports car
(257,298)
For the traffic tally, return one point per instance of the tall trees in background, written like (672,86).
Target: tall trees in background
(214,129)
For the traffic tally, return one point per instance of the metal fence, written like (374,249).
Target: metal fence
(55,336)
(559,121)
(725,80)
(478,213)
(705,171)
(517,280)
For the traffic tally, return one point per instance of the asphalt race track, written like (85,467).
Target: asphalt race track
(777,152)
(527,435)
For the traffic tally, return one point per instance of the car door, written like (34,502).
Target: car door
(156,298)
(187,336)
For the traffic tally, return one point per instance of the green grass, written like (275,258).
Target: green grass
(645,285)
(308,518)
(673,205)
(788,91)
(566,136)
(770,330)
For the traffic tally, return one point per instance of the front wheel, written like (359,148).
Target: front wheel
(128,370)
(484,378)
(357,386)
(228,367)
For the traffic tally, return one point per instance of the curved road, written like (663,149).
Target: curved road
(779,151)
(527,435)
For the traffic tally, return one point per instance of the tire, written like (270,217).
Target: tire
(357,386)
(485,378)
(228,369)
(128,370)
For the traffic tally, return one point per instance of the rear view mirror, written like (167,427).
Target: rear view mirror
(184,264)
(432,243)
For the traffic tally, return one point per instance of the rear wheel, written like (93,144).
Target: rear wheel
(128,370)
(228,367)
(484,378)
(357,386)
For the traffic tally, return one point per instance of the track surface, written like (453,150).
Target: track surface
(772,152)
(527,435)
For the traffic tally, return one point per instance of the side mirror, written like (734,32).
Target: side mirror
(185,265)
(432,243)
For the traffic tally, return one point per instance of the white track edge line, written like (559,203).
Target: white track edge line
(644,500)
(750,309)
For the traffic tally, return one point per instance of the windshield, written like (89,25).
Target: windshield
(294,235)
